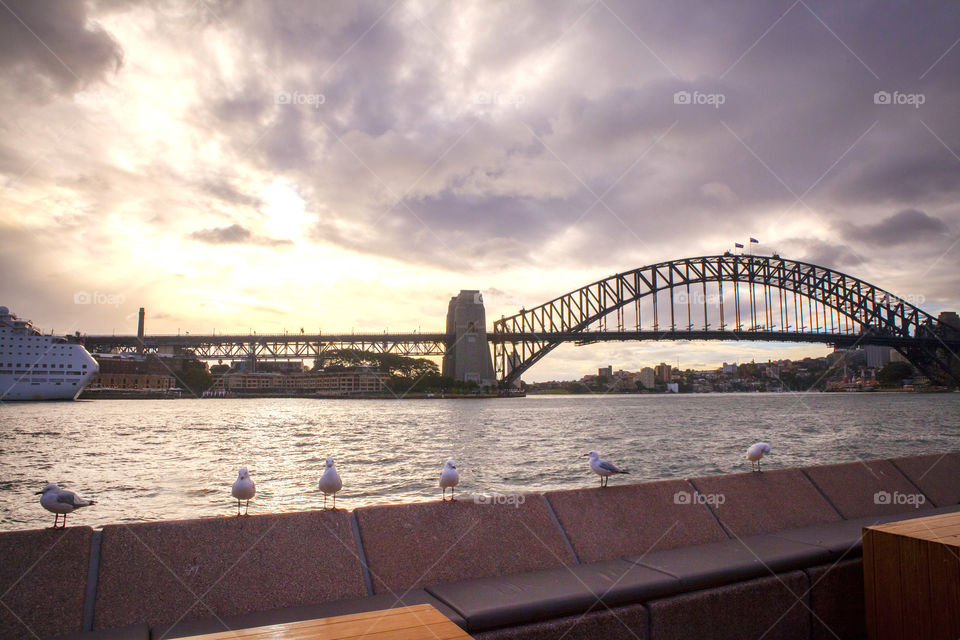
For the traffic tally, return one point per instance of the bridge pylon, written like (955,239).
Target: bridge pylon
(467,354)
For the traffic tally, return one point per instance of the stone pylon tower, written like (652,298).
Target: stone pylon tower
(467,356)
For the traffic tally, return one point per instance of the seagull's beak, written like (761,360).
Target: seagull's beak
(38,493)
(586,455)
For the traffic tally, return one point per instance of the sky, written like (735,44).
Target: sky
(236,165)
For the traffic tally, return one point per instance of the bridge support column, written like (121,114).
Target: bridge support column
(467,356)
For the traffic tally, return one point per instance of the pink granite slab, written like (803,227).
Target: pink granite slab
(764,608)
(937,475)
(755,503)
(867,488)
(633,519)
(420,544)
(43,581)
(837,601)
(163,572)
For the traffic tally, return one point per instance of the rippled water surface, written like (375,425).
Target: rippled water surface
(154,459)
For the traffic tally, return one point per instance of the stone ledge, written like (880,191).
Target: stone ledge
(852,487)
(755,503)
(413,545)
(163,572)
(633,519)
(43,580)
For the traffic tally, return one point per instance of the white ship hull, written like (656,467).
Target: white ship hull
(26,389)
(40,367)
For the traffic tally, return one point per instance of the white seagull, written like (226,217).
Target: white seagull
(603,468)
(57,500)
(330,483)
(449,478)
(755,452)
(244,489)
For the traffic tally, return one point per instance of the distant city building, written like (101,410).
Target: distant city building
(153,382)
(877,356)
(729,368)
(335,382)
(648,378)
(605,371)
(662,372)
(673,387)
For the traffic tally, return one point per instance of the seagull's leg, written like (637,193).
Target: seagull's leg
(758,467)
(334,501)
(64,525)
(453,494)
(324,502)
(246,511)
(443,495)
(56,520)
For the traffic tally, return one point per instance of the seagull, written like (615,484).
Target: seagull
(602,468)
(57,500)
(244,489)
(755,452)
(330,483)
(449,478)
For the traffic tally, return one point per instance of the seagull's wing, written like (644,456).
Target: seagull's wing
(608,466)
(72,499)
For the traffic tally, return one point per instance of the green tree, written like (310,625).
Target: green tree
(893,373)
(195,379)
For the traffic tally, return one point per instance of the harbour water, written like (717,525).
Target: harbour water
(168,459)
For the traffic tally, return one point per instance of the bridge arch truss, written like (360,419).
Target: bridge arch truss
(732,297)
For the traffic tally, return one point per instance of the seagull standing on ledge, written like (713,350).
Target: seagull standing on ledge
(330,483)
(57,500)
(755,452)
(449,478)
(603,468)
(244,489)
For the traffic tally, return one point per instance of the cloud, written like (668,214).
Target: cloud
(236,234)
(46,48)
(909,225)
(578,164)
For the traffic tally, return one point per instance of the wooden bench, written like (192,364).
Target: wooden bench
(912,578)
(419,622)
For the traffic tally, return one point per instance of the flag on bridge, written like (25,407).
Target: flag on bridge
(754,240)
(738,245)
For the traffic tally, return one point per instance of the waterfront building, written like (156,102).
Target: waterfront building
(877,356)
(333,382)
(662,373)
(647,378)
(142,381)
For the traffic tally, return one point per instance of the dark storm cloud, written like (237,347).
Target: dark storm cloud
(46,45)
(489,137)
(226,192)
(909,225)
(235,234)
(824,253)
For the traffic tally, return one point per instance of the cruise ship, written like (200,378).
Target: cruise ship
(38,367)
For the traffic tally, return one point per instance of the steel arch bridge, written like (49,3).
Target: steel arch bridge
(728,297)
